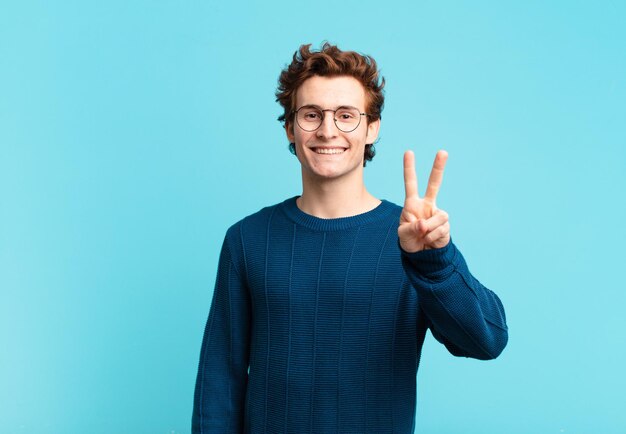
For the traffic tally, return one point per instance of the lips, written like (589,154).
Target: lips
(328,150)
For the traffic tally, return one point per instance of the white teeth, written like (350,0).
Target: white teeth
(329,150)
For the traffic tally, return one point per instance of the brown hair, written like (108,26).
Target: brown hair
(327,62)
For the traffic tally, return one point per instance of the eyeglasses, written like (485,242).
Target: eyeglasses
(347,119)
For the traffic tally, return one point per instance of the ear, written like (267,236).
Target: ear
(289,131)
(372,131)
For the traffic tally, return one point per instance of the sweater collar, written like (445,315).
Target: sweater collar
(290,208)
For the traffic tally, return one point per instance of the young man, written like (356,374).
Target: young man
(322,302)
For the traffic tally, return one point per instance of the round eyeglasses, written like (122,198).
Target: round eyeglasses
(347,119)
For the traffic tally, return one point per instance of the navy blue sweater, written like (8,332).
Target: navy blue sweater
(317,325)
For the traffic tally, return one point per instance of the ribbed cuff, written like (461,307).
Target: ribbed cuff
(429,262)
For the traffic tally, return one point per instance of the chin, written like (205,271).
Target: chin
(332,172)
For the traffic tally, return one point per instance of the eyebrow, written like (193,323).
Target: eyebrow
(320,108)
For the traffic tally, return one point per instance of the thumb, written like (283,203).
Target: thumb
(421,228)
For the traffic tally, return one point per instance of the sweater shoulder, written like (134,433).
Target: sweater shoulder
(247,233)
(254,221)
(396,209)
(250,230)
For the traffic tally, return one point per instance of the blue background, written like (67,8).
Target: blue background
(133,134)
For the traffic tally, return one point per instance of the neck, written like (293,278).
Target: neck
(335,198)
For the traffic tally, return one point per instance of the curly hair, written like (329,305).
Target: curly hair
(330,61)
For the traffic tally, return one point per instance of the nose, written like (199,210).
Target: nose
(328,129)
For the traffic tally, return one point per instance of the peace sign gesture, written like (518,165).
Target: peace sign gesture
(422,225)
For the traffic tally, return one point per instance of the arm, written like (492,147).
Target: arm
(219,398)
(465,316)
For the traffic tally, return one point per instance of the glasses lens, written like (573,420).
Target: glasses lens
(347,119)
(309,118)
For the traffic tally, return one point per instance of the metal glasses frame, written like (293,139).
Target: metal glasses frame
(295,114)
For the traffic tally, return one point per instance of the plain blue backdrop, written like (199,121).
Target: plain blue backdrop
(134,133)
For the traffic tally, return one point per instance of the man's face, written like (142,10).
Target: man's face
(329,153)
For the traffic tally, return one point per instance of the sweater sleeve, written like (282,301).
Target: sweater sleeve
(465,316)
(219,398)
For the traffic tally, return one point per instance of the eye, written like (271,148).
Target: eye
(312,115)
(346,115)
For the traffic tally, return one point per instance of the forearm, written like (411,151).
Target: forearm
(464,315)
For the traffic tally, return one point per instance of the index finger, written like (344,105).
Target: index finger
(410,178)
(436,176)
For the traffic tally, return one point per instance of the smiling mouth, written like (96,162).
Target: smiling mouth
(329,150)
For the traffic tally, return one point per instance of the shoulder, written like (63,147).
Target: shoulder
(395,209)
(255,221)
(390,211)
(248,236)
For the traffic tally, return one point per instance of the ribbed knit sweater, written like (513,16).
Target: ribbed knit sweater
(317,325)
